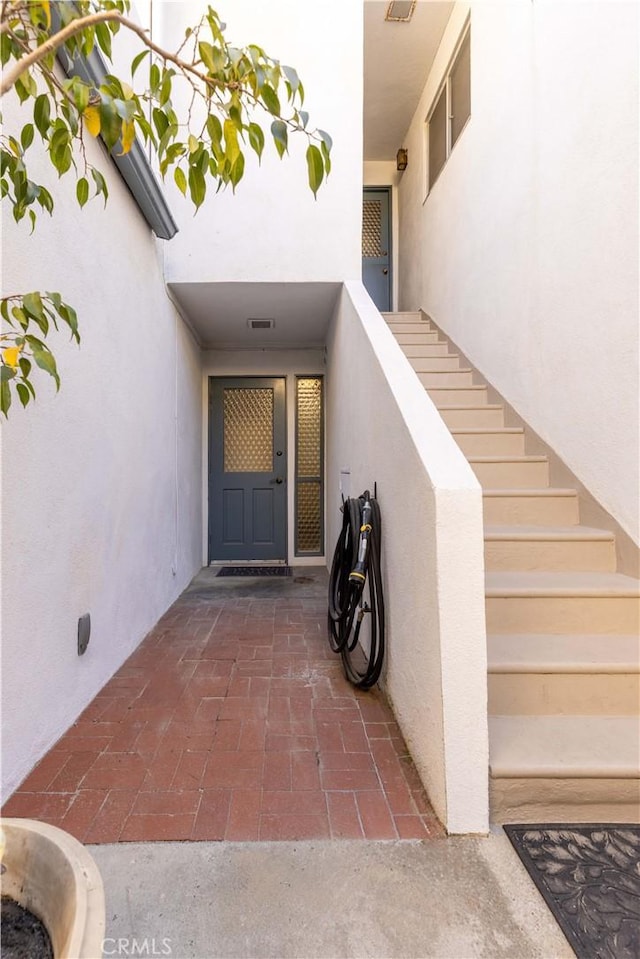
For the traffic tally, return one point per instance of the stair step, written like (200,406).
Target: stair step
(543,507)
(548,548)
(411,326)
(421,336)
(463,417)
(511,472)
(499,441)
(564,768)
(537,674)
(406,314)
(564,653)
(431,377)
(458,395)
(428,350)
(561,602)
(435,364)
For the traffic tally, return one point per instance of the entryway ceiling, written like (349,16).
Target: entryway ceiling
(218,313)
(397,61)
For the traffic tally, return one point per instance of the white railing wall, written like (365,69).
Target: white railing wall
(383,428)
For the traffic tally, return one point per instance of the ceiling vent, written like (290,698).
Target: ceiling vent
(261,323)
(400,11)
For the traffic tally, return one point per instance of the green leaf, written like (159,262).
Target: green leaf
(291,76)
(315,168)
(270,99)
(32,304)
(165,88)
(80,92)
(280,136)
(256,138)
(26,136)
(160,121)
(304,117)
(181,180)
(103,36)
(326,139)
(101,184)
(154,78)
(82,191)
(19,315)
(197,186)
(208,57)
(45,200)
(5,397)
(237,171)
(6,373)
(214,129)
(135,63)
(232,148)
(44,359)
(68,314)
(110,123)
(23,393)
(326,157)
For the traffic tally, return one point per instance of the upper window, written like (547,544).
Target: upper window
(451,110)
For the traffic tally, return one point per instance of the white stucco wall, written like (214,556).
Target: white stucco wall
(383,428)
(273,229)
(526,250)
(101,483)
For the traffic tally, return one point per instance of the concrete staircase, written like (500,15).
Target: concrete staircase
(562,623)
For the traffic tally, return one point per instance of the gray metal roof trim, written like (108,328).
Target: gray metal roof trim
(134,166)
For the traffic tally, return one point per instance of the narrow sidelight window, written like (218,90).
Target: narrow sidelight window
(309,508)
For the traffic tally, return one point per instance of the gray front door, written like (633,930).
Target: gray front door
(376,246)
(247,469)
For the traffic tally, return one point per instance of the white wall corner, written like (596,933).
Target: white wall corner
(433,567)
(463,656)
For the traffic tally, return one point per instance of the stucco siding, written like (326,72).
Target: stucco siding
(101,507)
(526,250)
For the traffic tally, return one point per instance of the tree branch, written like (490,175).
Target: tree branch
(51,45)
(82,23)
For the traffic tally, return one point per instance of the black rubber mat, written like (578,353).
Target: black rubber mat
(589,876)
(254,571)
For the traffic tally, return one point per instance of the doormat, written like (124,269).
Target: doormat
(589,876)
(254,571)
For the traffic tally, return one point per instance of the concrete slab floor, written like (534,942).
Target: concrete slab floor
(453,898)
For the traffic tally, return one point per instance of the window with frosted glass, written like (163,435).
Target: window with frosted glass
(309,467)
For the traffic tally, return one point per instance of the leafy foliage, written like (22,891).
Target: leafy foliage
(229,90)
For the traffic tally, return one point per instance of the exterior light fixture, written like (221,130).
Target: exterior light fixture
(400,11)
(402,158)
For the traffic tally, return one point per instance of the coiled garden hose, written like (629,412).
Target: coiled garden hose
(356,601)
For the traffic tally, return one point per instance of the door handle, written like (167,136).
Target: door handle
(278,480)
(385,271)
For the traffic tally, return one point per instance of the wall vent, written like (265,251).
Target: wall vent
(261,323)
(400,11)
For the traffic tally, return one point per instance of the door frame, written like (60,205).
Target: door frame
(211,379)
(388,189)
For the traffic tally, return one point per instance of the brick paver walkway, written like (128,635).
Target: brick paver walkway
(232,720)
